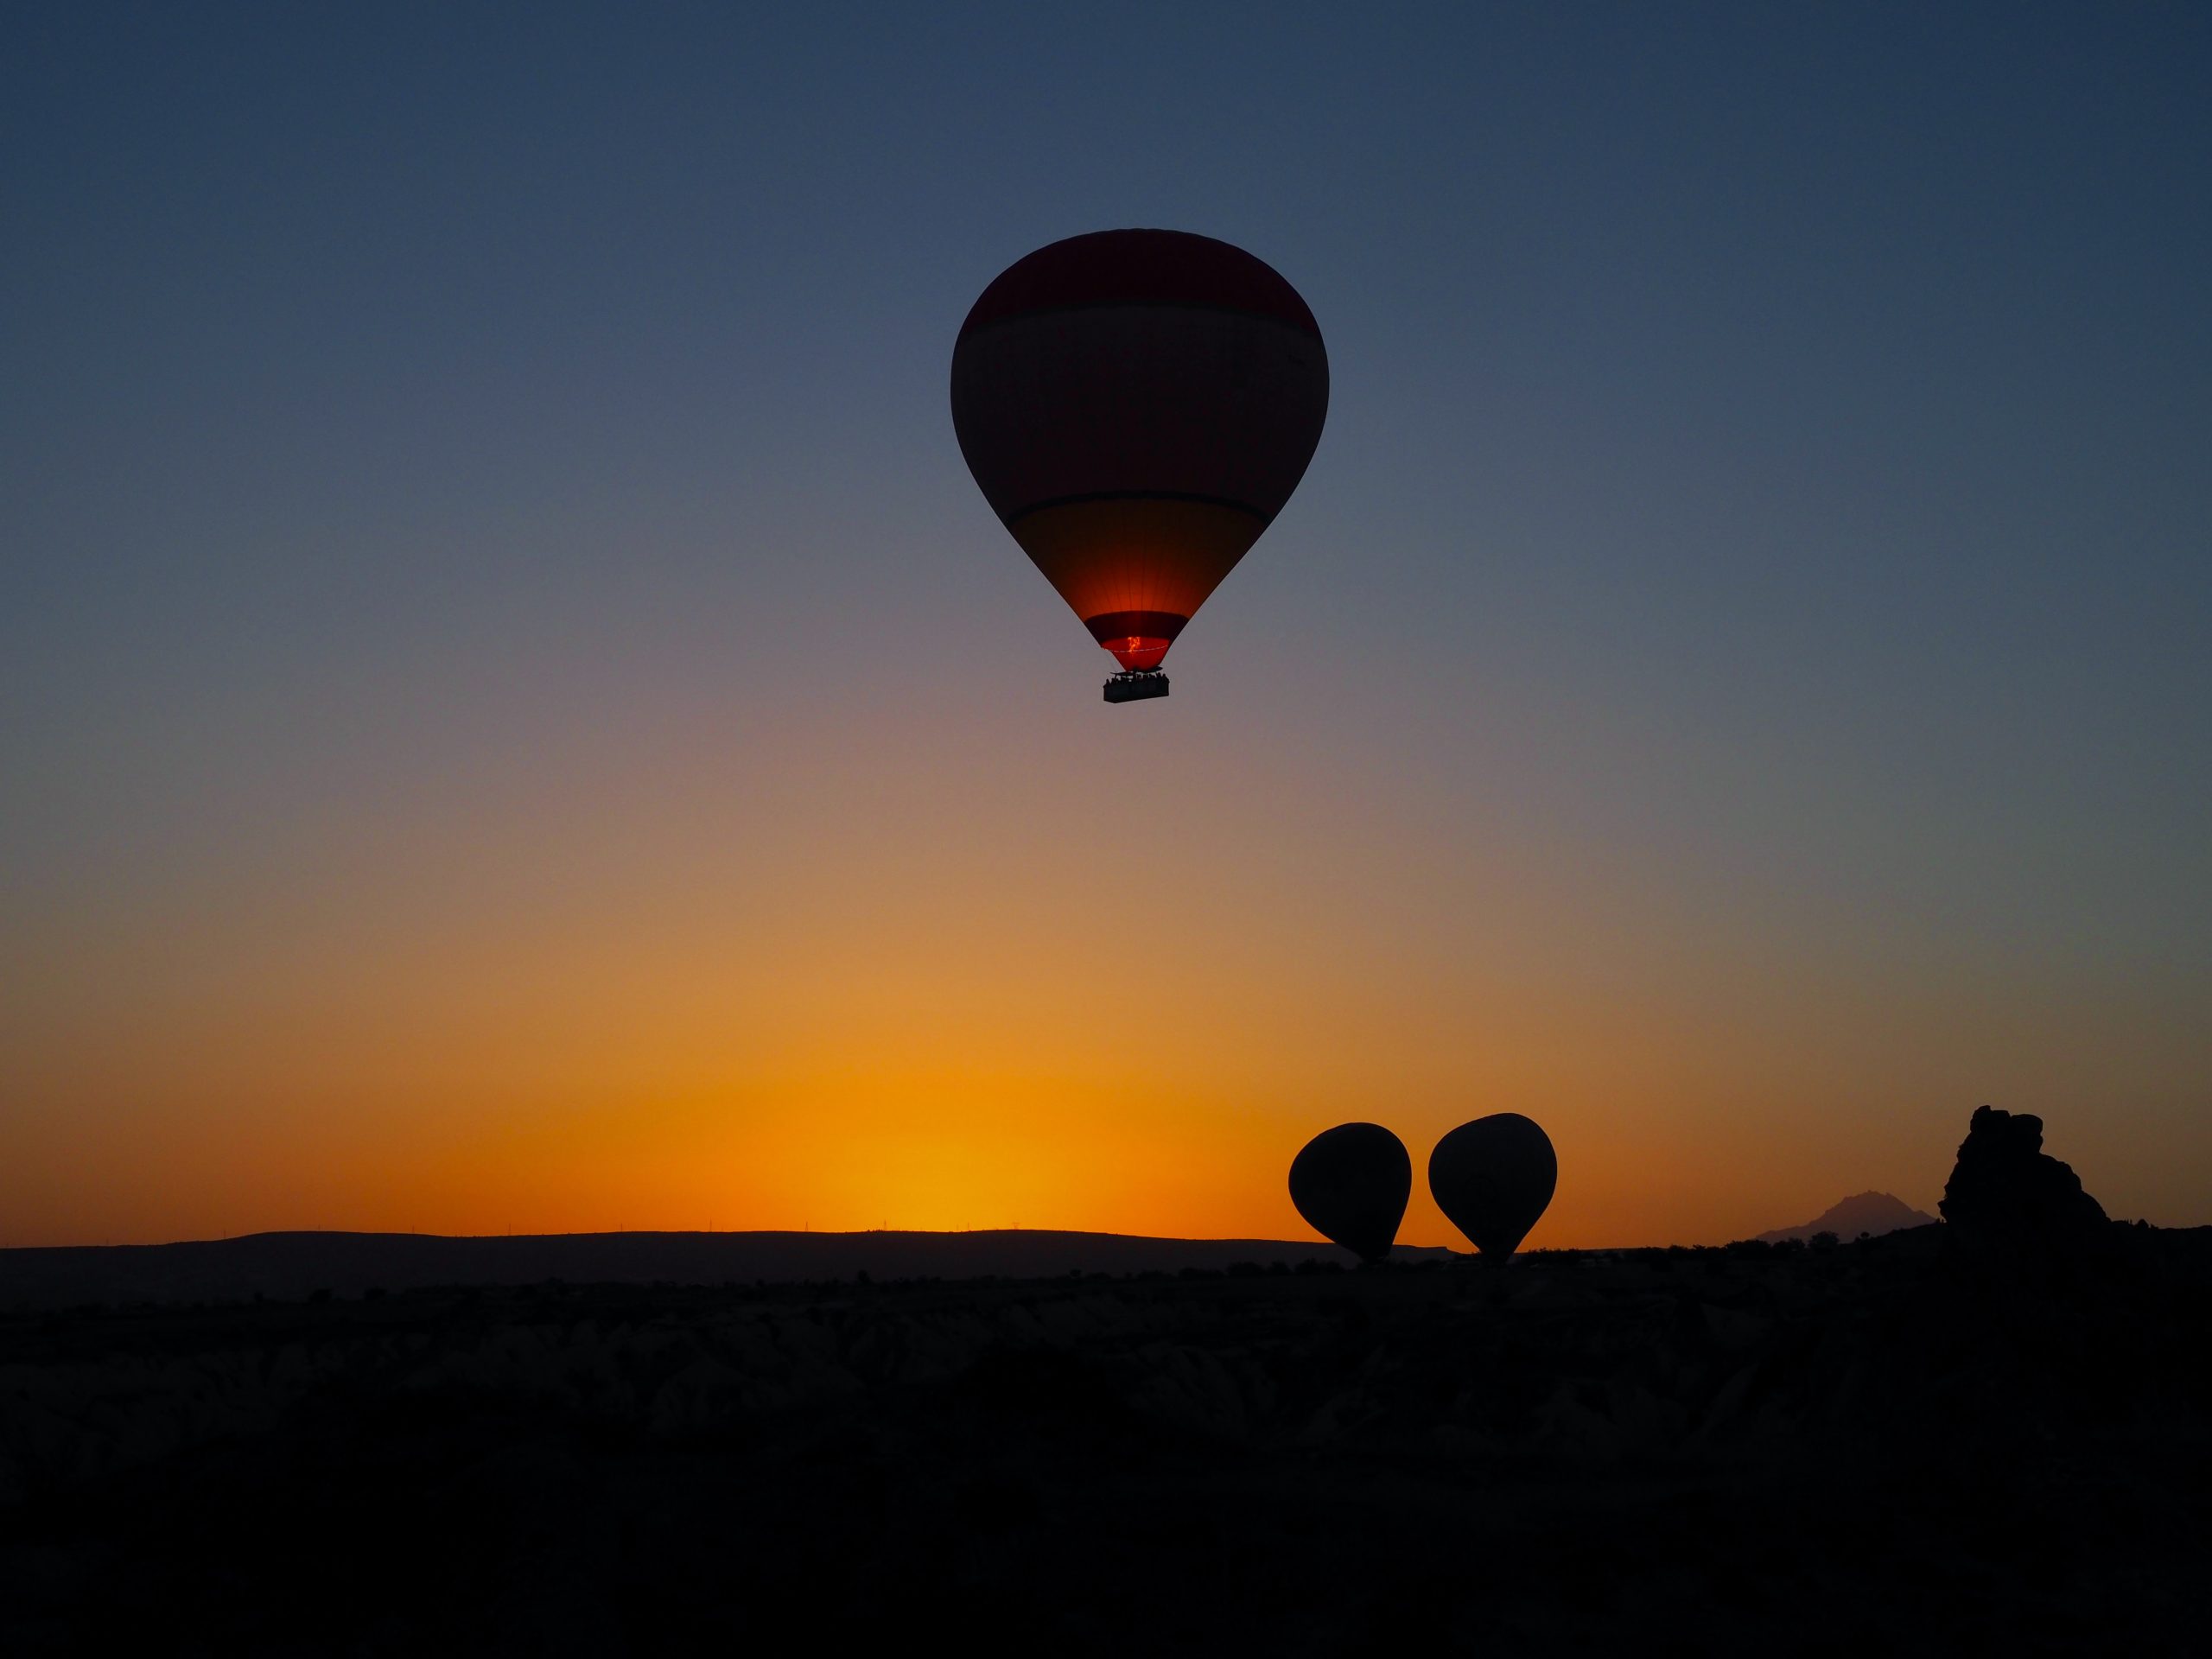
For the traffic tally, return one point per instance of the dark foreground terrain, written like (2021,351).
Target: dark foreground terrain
(1876,1447)
(286,1267)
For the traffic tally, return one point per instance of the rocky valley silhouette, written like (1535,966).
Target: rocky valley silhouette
(1988,1434)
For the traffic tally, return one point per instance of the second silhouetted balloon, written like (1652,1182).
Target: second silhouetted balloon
(1494,1178)
(1352,1182)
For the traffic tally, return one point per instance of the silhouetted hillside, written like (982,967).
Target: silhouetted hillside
(1877,1448)
(295,1265)
(1870,1213)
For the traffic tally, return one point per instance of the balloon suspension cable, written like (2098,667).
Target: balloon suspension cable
(1133,685)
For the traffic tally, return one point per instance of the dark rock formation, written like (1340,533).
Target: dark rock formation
(2006,1194)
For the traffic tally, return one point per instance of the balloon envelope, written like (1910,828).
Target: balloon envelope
(1137,406)
(1351,1182)
(1494,1178)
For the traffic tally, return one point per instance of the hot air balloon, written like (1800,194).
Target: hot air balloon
(1137,406)
(1494,1178)
(1351,1182)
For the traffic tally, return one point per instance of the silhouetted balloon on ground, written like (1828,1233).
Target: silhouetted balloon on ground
(1352,1182)
(1494,1178)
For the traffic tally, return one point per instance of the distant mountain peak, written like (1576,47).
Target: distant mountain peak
(1874,1213)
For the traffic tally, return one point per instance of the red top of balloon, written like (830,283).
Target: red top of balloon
(1140,268)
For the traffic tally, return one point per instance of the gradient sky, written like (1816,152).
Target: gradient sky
(513,715)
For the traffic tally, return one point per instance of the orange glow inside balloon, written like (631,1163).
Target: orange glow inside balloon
(1135,651)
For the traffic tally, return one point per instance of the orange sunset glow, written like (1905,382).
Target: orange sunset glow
(872,978)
